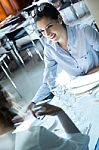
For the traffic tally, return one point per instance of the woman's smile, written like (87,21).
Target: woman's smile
(52,36)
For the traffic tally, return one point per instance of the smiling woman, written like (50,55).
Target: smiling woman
(74,48)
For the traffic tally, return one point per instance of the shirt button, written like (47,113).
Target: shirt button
(77,66)
(85,57)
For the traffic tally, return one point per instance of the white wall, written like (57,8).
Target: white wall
(93,6)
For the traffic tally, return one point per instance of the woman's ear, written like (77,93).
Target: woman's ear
(60,19)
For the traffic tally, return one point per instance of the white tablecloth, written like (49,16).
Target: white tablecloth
(84,111)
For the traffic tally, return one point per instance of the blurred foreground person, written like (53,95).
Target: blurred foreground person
(37,137)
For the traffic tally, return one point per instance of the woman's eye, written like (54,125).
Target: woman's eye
(41,31)
(49,26)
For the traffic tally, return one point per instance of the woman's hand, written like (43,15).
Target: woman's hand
(47,109)
(17,119)
(30,107)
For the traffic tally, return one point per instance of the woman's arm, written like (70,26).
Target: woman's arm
(93,70)
(66,122)
(50,67)
(92,37)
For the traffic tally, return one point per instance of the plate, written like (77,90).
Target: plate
(84,80)
(85,88)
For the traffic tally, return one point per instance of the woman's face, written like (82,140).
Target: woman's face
(51,29)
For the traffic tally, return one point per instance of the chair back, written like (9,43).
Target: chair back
(16,34)
(11,22)
(29,9)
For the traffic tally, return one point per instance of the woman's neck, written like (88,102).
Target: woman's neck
(64,39)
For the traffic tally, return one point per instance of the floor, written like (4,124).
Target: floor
(27,80)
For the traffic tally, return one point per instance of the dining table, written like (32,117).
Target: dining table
(79,98)
(82,107)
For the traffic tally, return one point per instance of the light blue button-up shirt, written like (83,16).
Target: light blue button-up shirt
(81,56)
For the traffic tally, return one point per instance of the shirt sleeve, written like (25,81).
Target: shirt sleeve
(42,93)
(50,64)
(92,37)
(50,69)
(49,141)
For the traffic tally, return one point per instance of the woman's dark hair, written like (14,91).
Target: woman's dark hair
(6,117)
(46,10)
(4,96)
(6,113)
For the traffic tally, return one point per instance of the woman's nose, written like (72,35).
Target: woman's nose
(46,33)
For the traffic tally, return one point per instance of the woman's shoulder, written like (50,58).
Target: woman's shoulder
(49,47)
(49,43)
(77,27)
